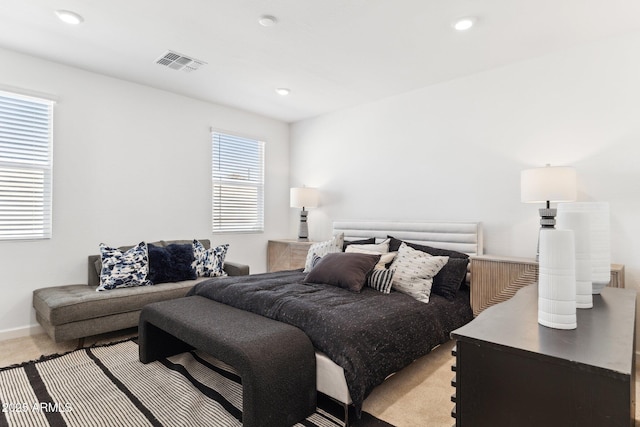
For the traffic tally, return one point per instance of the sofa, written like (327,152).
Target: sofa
(71,312)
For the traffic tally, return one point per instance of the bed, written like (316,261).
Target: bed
(360,338)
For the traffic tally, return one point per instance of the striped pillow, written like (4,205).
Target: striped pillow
(381,280)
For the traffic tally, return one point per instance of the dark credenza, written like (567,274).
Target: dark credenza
(511,371)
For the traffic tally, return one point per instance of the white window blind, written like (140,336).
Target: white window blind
(25,166)
(238,183)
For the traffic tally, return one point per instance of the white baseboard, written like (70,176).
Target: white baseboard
(25,331)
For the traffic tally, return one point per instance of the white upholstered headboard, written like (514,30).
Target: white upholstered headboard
(458,236)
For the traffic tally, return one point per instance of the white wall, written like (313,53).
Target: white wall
(454,151)
(131,163)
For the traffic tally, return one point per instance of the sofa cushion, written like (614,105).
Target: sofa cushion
(88,327)
(71,303)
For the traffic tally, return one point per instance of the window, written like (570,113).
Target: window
(238,183)
(25,167)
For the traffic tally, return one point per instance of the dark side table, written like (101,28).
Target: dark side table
(511,371)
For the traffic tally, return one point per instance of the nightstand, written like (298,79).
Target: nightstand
(495,279)
(286,254)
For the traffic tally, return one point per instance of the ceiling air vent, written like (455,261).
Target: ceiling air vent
(178,61)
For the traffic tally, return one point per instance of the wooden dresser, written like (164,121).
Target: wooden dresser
(496,279)
(286,254)
(511,371)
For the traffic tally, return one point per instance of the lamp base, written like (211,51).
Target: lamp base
(547,217)
(547,220)
(303,231)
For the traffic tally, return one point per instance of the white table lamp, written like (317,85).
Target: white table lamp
(303,197)
(545,185)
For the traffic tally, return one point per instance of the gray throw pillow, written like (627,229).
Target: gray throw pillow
(344,270)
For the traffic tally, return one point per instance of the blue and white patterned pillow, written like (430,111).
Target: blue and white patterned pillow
(209,262)
(123,269)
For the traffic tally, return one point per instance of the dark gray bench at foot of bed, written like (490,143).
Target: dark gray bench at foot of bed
(276,361)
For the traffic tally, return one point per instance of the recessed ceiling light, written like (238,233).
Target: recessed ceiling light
(267,20)
(463,24)
(283,91)
(69,17)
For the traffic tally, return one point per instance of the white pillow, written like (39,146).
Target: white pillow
(322,248)
(385,258)
(414,272)
(380,248)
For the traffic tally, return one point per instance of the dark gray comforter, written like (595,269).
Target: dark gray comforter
(369,334)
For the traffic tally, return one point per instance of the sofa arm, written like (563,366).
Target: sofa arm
(236,269)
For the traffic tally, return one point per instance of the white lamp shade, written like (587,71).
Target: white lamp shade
(550,183)
(304,197)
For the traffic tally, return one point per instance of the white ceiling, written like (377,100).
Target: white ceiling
(332,54)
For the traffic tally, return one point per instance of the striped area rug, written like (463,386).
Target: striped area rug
(108,386)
